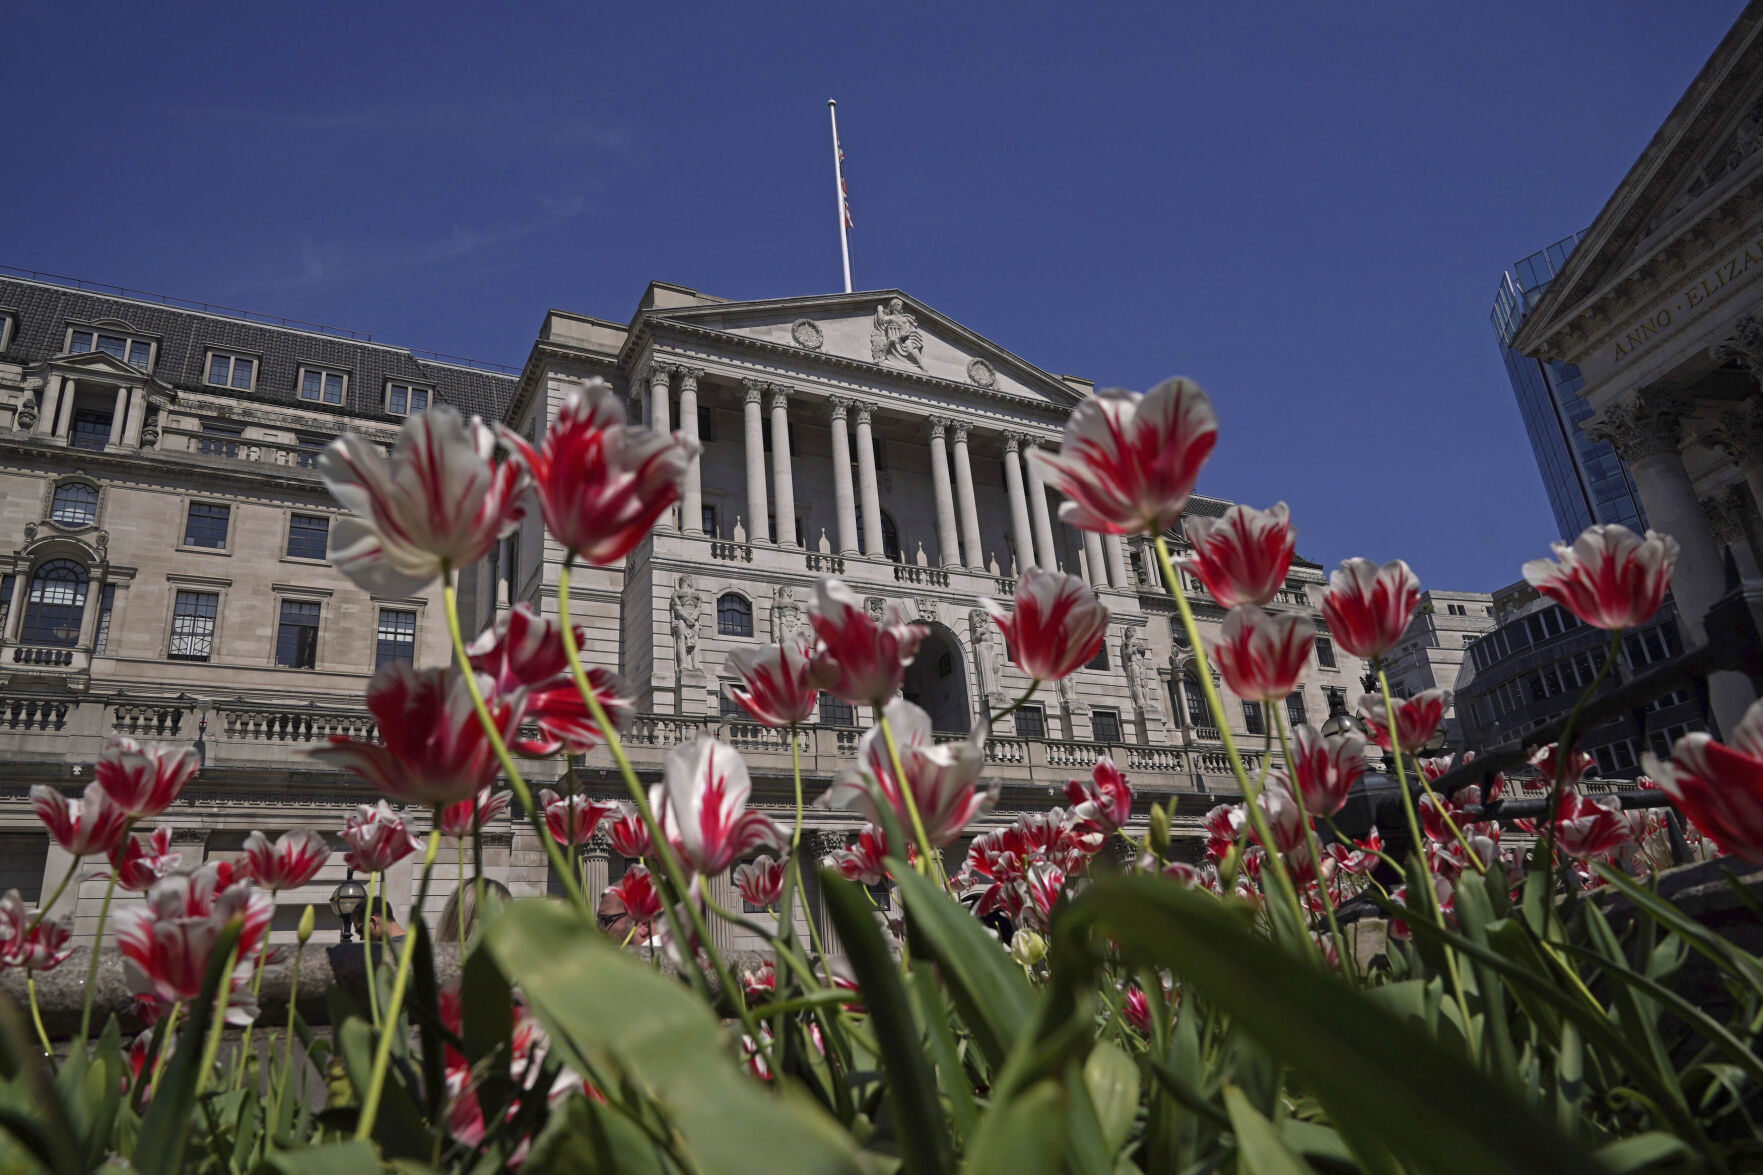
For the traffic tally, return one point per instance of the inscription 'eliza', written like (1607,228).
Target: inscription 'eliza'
(1712,282)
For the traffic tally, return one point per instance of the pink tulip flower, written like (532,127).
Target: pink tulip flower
(572,820)
(1368,607)
(857,657)
(1325,769)
(84,827)
(1057,626)
(291,861)
(1243,557)
(1417,718)
(780,688)
(144,778)
(524,651)
(1587,827)
(701,807)
(377,839)
(761,881)
(1719,786)
(139,863)
(629,835)
(43,947)
(473,814)
(944,777)
(1105,801)
(1260,656)
(1610,577)
(167,941)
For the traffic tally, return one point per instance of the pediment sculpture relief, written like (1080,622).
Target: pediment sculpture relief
(895,336)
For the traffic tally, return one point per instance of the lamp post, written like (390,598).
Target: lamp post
(347,900)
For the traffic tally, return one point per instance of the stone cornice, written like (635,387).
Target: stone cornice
(153,464)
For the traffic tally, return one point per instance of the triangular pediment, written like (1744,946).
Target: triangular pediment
(1707,150)
(99,363)
(884,329)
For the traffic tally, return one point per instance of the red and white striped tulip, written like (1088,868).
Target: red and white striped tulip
(377,838)
(1325,768)
(1057,626)
(862,860)
(572,820)
(642,901)
(1719,786)
(857,657)
(1105,801)
(701,807)
(440,501)
(1610,577)
(139,863)
(761,881)
(1242,557)
(629,835)
(602,482)
(434,751)
(1548,761)
(1261,656)
(166,941)
(1368,607)
(473,814)
(143,777)
(291,861)
(1129,460)
(42,947)
(944,777)
(1587,827)
(84,827)
(524,651)
(1417,718)
(779,681)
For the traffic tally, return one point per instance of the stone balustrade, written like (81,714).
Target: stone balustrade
(253,449)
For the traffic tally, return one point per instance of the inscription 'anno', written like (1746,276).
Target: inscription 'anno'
(1712,281)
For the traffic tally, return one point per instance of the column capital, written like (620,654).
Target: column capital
(1014,441)
(755,390)
(1727,512)
(958,431)
(1739,432)
(1745,347)
(937,426)
(780,395)
(865,411)
(1645,425)
(819,842)
(689,376)
(660,374)
(839,407)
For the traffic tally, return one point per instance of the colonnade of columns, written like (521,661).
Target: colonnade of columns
(771,501)
(56,417)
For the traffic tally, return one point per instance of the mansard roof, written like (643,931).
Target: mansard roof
(1694,165)
(837,330)
(44,311)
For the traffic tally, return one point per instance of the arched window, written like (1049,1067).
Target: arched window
(890,536)
(75,504)
(55,605)
(734,615)
(1197,713)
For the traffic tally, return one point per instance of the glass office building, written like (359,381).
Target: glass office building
(1585,480)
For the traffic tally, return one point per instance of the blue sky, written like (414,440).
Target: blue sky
(1305,207)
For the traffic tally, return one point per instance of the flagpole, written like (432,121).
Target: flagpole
(832,108)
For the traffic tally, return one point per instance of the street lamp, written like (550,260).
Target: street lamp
(347,900)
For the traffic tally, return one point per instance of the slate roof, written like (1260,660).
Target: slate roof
(45,310)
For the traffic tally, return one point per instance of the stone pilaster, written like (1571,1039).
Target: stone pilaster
(867,486)
(947,540)
(784,483)
(969,507)
(1025,543)
(692,488)
(758,511)
(844,496)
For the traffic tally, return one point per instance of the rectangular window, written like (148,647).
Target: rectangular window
(1105,726)
(106,601)
(836,711)
(206,525)
(134,352)
(1252,718)
(397,638)
(226,370)
(296,638)
(91,430)
(1325,652)
(709,521)
(706,424)
(322,387)
(1295,708)
(403,399)
(1031,722)
(192,626)
(1100,660)
(307,536)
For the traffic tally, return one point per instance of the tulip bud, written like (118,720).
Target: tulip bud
(1159,833)
(304,930)
(1230,867)
(1028,948)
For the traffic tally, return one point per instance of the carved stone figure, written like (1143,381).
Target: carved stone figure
(1071,699)
(895,335)
(787,622)
(688,611)
(985,656)
(877,608)
(1142,678)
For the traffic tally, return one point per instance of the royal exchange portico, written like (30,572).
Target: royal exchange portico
(1661,308)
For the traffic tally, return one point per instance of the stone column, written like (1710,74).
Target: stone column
(660,420)
(51,409)
(1118,574)
(119,416)
(945,498)
(692,491)
(1740,434)
(1037,511)
(1025,543)
(1093,553)
(844,497)
(64,418)
(131,429)
(1726,513)
(21,584)
(758,512)
(1644,432)
(816,844)
(784,498)
(866,486)
(970,540)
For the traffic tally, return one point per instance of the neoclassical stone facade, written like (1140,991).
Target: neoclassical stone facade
(1661,309)
(861,435)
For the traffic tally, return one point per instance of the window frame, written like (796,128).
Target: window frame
(282,600)
(173,635)
(721,628)
(78,606)
(184,543)
(1039,716)
(1114,716)
(409,389)
(288,554)
(323,374)
(8,327)
(1254,718)
(827,701)
(380,661)
(232,359)
(1325,655)
(128,340)
(66,483)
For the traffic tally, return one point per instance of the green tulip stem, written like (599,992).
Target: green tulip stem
(223,992)
(373,998)
(30,987)
(44,908)
(925,855)
(1347,963)
(370,1105)
(92,966)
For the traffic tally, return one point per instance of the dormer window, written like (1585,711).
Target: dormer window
(136,352)
(404,399)
(227,370)
(8,328)
(321,386)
